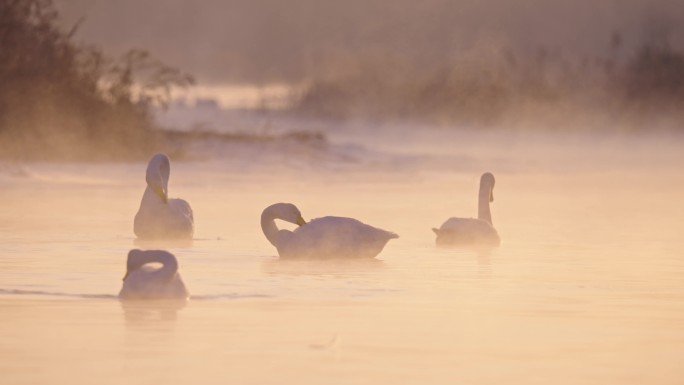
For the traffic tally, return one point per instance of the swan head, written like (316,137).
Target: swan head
(487,182)
(286,212)
(157,177)
(134,261)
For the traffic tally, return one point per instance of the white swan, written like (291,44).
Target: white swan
(160,217)
(148,282)
(472,231)
(322,238)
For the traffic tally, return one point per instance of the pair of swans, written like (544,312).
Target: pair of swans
(157,218)
(336,237)
(329,237)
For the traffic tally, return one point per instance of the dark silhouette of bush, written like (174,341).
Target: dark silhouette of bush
(60,100)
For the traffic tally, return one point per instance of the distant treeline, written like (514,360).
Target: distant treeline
(62,100)
(495,85)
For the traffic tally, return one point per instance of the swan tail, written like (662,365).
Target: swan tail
(392,235)
(435,230)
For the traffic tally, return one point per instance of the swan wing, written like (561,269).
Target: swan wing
(164,221)
(466,231)
(183,207)
(338,237)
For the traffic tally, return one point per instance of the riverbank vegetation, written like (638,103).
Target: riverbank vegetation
(63,100)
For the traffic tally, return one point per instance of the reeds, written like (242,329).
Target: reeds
(61,100)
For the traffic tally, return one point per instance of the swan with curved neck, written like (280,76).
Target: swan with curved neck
(321,238)
(147,282)
(472,231)
(158,216)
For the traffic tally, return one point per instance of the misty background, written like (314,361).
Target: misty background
(244,41)
(85,79)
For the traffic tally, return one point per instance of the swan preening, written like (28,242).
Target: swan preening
(148,282)
(160,217)
(472,231)
(321,238)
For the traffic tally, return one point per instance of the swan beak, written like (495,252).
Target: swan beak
(162,193)
(301,221)
(125,276)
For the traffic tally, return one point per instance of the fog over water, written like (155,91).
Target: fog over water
(586,286)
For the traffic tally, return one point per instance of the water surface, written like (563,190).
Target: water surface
(587,286)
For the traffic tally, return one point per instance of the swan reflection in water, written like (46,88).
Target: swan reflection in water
(150,293)
(332,267)
(153,312)
(155,244)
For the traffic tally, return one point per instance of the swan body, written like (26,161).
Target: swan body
(322,238)
(148,282)
(160,217)
(472,231)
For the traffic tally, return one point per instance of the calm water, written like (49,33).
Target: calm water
(586,288)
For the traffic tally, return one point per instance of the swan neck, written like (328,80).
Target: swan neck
(483,211)
(150,196)
(167,260)
(269,227)
(157,176)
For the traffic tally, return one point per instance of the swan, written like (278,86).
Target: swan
(472,231)
(148,282)
(322,238)
(160,217)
